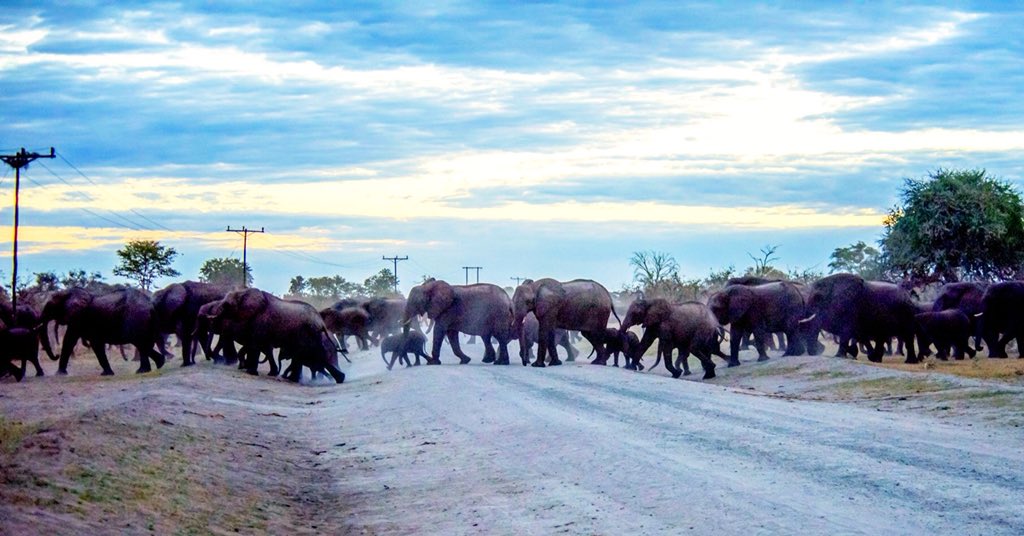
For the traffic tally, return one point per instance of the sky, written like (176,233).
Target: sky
(533,139)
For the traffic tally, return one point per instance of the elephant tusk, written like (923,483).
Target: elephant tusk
(978,315)
(808,319)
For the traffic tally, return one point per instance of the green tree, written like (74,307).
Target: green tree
(763,265)
(858,258)
(47,281)
(224,271)
(953,225)
(144,261)
(297,286)
(380,284)
(331,287)
(79,278)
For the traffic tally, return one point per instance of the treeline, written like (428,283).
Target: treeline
(324,289)
(954,225)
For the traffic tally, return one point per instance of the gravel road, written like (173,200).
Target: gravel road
(584,449)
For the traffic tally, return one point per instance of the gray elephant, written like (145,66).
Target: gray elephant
(528,338)
(177,307)
(385,316)
(966,297)
(18,344)
(123,316)
(481,309)
(855,310)
(27,320)
(760,310)
(690,328)
(401,345)
(207,326)
(1002,317)
(347,321)
(949,329)
(581,304)
(260,322)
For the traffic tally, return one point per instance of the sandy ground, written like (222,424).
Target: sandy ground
(803,445)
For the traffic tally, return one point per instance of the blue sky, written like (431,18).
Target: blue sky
(533,139)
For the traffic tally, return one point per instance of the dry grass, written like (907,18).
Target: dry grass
(1010,370)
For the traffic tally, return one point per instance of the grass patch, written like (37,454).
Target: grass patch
(13,433)
(770,370)
(893,386)
(1009,370)
(830,374)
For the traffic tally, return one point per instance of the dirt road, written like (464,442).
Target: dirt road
(479,449)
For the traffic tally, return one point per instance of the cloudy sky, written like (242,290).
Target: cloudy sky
(532,139)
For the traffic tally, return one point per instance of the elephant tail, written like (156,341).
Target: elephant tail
(382,355)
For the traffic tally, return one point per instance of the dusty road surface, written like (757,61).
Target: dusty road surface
(479,449)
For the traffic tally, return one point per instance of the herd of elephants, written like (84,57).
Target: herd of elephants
(248,324)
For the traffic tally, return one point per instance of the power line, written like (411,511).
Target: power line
(519,280)
(84,176)
(135,226)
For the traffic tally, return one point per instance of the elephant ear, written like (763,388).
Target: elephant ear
(440,297)
(740,300)
(548,299)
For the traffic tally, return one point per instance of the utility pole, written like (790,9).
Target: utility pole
(477,268)
(17,161)
(518,280)
(395,260)
(245,247)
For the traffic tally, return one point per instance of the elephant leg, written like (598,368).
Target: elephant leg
(761,342)
(252,360)
(187,354)
(667,356)
(274,367)
(339,376)
(503,356)
(100,350)
(542,346)
(876,351)
(489,354)
(707,364)
(736,337)
(435,351)
(794,343)
(553,360)
(684,358)
(453,339)
(596,339)
(66,349)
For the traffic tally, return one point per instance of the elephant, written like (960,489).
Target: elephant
(528,338)
(619,342)
(385,315)
(1002,317)
(123,316)
(207,326)
(965,296)
(261,322)
(18,344)
(26,319)
(177,307)
(857,310)
(581,304)
(944,329)
(480,309)
(760,310)
(402,344)
(348,321)
(690,327)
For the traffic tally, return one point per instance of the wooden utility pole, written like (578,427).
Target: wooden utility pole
(519,280)
(17,161)
(395,273)
(477,268)
(245,246)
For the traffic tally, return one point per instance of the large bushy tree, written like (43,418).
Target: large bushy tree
(144,261)
(953,225)
(225,271)
(858,258)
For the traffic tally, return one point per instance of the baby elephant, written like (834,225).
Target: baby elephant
(18,344)
(402,344)
(944,329)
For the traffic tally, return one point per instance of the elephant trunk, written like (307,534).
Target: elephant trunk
(44,338)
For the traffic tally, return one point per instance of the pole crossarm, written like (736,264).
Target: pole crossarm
(477,268)
(17,161)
